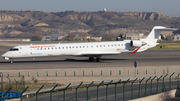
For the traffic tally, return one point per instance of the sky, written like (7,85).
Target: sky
(168,7)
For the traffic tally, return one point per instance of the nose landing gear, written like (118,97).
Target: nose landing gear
(11,60)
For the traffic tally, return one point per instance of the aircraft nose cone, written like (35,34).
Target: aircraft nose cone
(5,55)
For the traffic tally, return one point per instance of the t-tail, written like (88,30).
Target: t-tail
(151,40)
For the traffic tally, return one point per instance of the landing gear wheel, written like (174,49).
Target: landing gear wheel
(91,59)
(98,59)
(11,60)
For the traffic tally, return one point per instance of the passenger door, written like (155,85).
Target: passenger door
(24,50)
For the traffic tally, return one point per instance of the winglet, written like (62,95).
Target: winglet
(135,50)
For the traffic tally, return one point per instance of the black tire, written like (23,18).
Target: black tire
(91,59)
(98,59)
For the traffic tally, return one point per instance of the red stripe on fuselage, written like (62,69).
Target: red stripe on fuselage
(135,50)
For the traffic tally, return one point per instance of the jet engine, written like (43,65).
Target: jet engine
(136,43)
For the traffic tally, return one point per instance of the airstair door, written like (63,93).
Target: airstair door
(24,51)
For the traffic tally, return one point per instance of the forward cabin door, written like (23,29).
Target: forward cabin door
(24,51)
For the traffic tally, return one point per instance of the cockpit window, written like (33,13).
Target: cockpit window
(14,49)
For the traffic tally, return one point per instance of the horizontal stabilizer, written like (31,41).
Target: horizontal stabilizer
(164,28)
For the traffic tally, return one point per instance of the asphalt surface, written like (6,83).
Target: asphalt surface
(147,58)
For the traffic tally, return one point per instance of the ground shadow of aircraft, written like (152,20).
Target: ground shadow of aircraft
(105,60)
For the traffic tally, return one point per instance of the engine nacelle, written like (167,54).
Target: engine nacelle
(136,43)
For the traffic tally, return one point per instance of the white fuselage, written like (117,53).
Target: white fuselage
(88,49)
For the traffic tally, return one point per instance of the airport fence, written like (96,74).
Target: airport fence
(11,86)
(15,83)
(123,89)
(78,72)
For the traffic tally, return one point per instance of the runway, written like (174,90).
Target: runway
(148,58)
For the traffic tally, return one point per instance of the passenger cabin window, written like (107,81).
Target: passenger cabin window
(14,49)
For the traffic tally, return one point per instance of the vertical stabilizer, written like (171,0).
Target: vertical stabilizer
(155,33)
(151,39)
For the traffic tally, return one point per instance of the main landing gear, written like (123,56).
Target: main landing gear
(98,59)
(92,59)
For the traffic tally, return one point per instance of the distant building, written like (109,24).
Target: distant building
(60,37)
(46,38)
(166,33)
(96,38)
(135,36)
(54,37)
(26,39)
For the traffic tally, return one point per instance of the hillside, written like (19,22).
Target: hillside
(25,24)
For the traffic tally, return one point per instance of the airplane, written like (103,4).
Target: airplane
(87,49)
